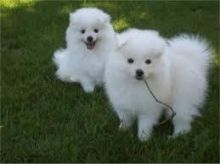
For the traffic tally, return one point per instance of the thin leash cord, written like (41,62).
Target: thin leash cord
(162,103)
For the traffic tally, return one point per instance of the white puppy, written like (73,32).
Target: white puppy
(90,38)
(176,73)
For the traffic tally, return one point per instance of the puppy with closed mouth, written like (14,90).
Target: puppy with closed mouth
(89,38)
(176,73)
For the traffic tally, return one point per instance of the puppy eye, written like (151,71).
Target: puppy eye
(83,31)
(130,60)
(96,30)
(148,61)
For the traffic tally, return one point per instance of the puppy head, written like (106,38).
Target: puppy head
(142,51)
(89,26)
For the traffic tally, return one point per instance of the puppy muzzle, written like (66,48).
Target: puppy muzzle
(90,45)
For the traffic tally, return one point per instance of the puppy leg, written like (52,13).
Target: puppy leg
(62,75)
(182,120)
(87,85)
(145,126)
(182,124)
(74,78)
(126,120)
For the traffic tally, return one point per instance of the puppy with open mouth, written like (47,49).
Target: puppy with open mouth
(90,38)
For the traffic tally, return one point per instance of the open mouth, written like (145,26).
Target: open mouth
(90,45)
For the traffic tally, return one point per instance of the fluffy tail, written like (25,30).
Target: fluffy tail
(58,57)
(61,61)
(194,48)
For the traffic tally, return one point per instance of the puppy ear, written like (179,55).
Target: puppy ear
(161,46)
(72,18)
(121,41)
(105,18)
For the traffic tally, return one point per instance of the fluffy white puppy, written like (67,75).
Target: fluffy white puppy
(176,73)
(90,38)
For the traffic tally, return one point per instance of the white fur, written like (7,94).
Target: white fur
(77,63)
(177,76)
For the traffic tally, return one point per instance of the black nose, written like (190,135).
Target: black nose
(89,39)
(139,73)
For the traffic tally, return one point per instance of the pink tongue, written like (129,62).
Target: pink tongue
(90,46)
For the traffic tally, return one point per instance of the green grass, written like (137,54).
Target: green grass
(45,120)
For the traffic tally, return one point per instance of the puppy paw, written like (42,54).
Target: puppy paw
(180,131)
(63,77)
(73,79)
(88,89)
(143,136)
(123,126)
